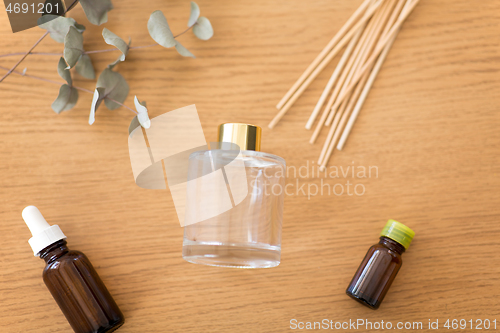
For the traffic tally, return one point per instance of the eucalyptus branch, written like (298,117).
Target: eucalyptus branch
(35,45)
(61,83)
(111,85)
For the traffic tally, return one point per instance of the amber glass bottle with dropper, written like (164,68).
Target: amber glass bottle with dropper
(71,279)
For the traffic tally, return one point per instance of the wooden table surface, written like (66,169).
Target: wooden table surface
(430,128)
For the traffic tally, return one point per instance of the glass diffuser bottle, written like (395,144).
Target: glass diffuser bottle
(248,235)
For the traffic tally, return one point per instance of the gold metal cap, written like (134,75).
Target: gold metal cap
(246,136)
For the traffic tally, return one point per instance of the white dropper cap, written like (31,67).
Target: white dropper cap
(43,233)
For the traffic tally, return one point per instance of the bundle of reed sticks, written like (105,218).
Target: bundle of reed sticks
(366,39)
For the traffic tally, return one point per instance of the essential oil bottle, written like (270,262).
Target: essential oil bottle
(380,265)
(71,279)
(247,234)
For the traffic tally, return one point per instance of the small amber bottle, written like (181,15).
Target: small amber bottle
(71,279)
(380,265)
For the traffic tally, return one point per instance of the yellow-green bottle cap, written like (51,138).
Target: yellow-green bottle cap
(398,232)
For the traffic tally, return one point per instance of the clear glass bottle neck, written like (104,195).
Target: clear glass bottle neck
(392,245)
(54,251)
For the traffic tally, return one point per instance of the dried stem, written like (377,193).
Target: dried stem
(182,33)
(25,55)
(32,53)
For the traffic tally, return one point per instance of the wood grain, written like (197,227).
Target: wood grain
(430,126)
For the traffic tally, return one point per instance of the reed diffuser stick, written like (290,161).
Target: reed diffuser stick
(330,134)
(342,122)
(347,70)
(347,73)
(367,88)
(323,53)
(396,13)
(371,42)
(377,52)
(333,78)
(349,102)
(355,97)
(325,62)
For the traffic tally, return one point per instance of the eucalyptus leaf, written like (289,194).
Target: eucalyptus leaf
(96,10)
(84,67)
(133,125)
(203,29)
(80,27)
(121,58)
(96,101)
(67,98)
(58,26)
(142,111)
(195,13)
(73,47)
(183,51)
(115,87)
(159,30)
(64,72)
(112,39)
(114,63)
